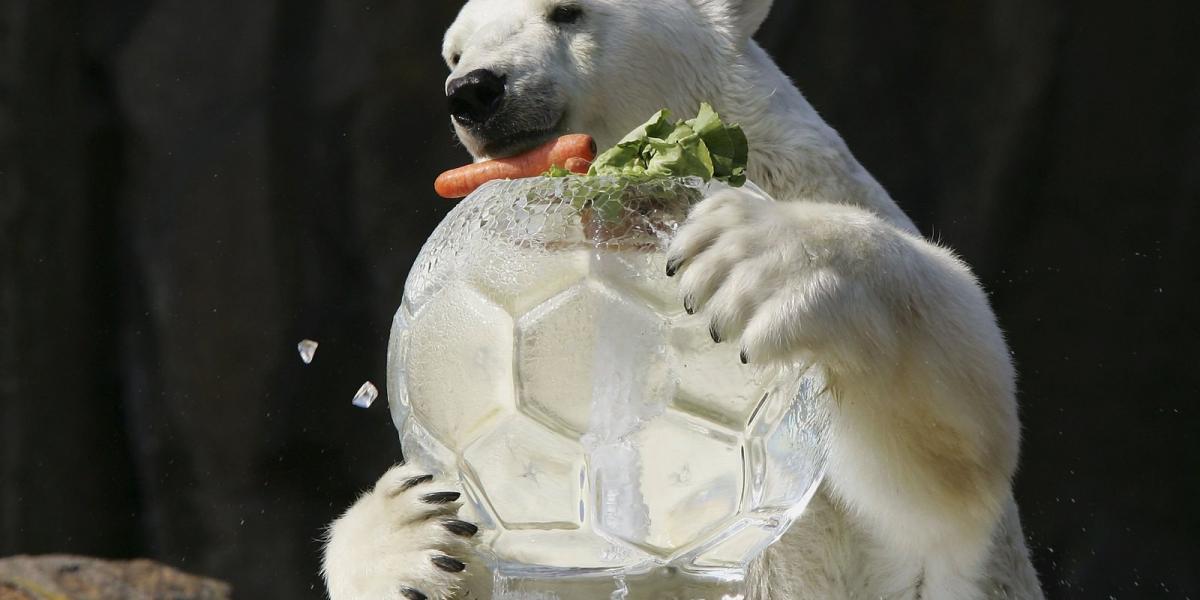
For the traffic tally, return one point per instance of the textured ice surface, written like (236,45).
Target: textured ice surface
(531,475)
(686,481)
(542,356)
(566,343)
(460,365)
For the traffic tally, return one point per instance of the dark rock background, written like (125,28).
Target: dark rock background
(189,188)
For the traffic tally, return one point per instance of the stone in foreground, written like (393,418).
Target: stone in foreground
(62,577)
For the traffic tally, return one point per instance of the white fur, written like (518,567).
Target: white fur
(918,501)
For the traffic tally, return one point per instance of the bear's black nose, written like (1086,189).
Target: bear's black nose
(474,97)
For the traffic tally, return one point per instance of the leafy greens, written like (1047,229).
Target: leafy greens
(704,147)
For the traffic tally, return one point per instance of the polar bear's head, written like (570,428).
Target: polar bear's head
(523,71)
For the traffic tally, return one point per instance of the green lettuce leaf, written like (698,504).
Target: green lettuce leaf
(703,147)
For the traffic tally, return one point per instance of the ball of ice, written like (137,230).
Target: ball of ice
(542,356)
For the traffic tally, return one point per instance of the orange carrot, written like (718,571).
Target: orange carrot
(577,165)
(460,182)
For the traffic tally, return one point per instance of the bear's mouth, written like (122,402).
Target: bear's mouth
(511,144)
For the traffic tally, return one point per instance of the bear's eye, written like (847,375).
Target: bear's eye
(566,14)
(454,58)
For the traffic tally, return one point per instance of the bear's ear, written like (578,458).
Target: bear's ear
(750,14)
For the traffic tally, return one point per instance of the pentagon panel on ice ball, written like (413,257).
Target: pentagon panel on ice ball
(533,477)
(542,358)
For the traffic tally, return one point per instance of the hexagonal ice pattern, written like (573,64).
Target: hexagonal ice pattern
(542,356)
(567,355)
(669,485)
(459,364)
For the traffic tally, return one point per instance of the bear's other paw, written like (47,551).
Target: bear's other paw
(787,281)
(400,541)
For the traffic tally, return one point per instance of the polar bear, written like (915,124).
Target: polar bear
(917,502)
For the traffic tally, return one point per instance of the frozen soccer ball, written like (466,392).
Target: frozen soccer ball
(542,356)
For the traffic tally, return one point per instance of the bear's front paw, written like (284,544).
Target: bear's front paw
(787,281)
(400,541)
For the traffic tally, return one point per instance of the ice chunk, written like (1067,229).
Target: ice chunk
(308,349)
(366,395)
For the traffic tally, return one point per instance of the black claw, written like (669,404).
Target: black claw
(412,594)
(462,528)
(672,267)
(413,482)
(712,330)
(689,304)
(745,360)
(448,564)
(440,497)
